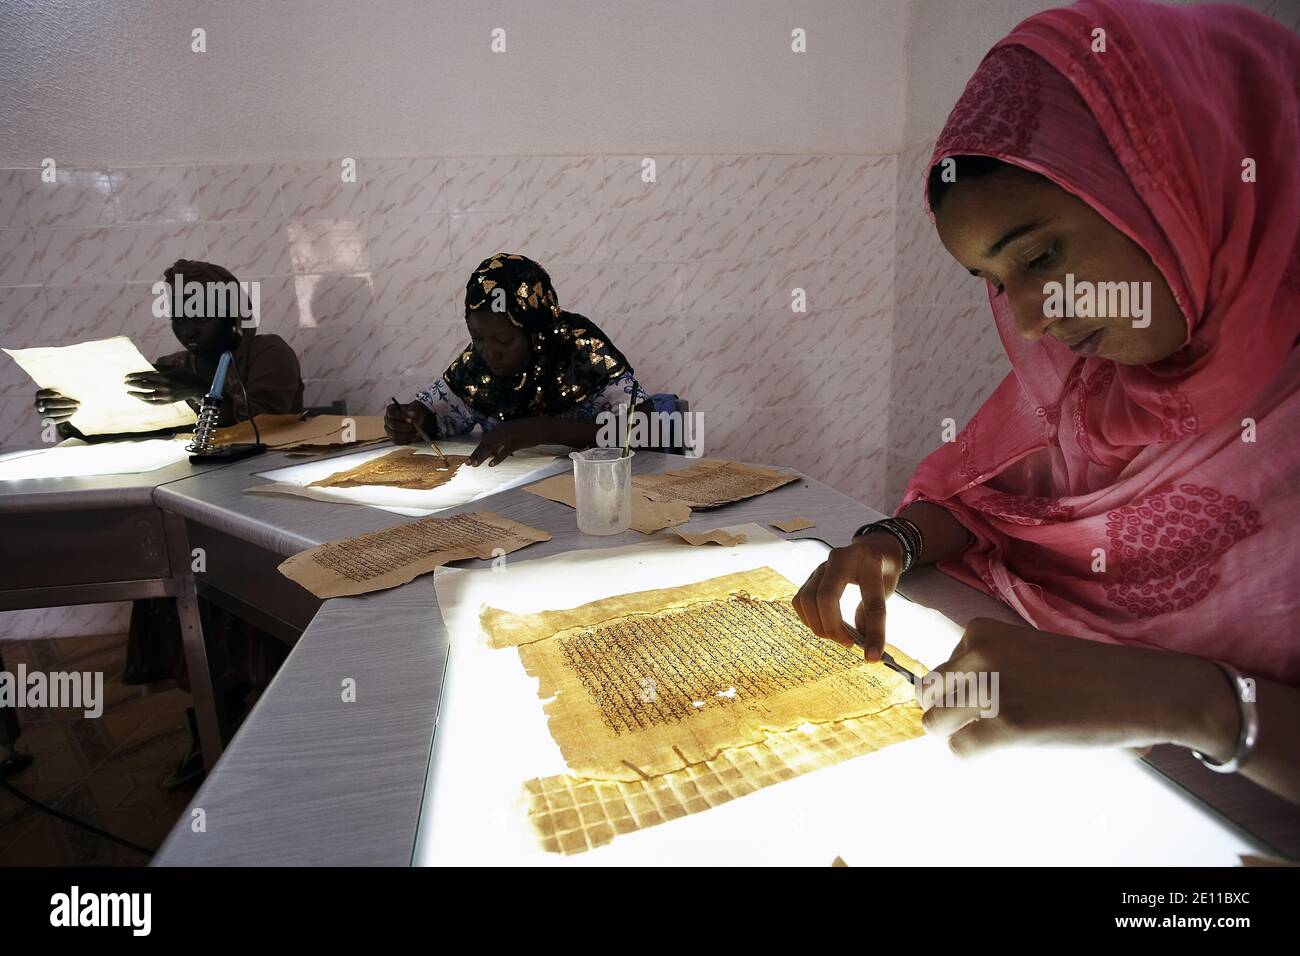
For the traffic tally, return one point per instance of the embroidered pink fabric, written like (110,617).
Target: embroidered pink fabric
(1126,503)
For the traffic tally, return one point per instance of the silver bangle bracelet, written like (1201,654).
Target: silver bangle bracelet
(1248,722)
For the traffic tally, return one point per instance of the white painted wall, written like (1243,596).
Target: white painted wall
(91,81)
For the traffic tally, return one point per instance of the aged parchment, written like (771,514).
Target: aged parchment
(393,556)
(712,482)
(402,468)
(793,524)
(716,536)
(649,683)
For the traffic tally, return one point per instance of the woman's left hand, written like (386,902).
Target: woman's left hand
(1053,689)
(165,387)
(505,439)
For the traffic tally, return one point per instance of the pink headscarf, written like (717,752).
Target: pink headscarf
(1073,462)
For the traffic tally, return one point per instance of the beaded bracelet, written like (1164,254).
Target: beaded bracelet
(908,534)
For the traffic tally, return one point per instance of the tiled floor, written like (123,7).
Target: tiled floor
(104,771)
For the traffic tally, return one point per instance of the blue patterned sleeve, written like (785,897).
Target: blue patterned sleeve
(452,416)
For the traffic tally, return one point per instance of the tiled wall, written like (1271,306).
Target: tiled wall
(691,276)
(947,355)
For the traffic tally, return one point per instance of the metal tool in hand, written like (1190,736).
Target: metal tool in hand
(420,431)
(885,657)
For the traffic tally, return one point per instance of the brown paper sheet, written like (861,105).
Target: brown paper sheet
(647,516)
(793,524)
(393,556)
(403,468)
(293,431)
(712,482)
(646,684)
(716,536)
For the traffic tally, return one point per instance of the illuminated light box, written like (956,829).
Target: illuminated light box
(911,803)
(76,459)
(469,484)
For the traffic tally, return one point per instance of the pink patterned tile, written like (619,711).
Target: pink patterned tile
(655,344)
(475,236)
(333,302)
(155,193)
(722,381)
(644,233)
(277,306)
(709,288)
(642,288)
(80,313)
(13,199)
(405,187)
(317,190)
(862,382)
(797,232)
(861,182)
(552,238)
(566,183)
(718,233)
(626,186)
(250,248)
(850,334)
(342,351)
(864,284)
(781,281)
(725,181)
(793,182)
(950,333)
(402,242)
(238,191)
(325,245)
(489,183)
(77,197)
(760,338)
(24,317)
(927,274)
(20,425)
(583,287)
(860,233)
(20,256)
(431,302)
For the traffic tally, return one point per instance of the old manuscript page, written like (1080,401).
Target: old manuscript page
(651,683)
(712,482)
(403,468)
(393,556)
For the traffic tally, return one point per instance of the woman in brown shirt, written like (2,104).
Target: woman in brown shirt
(272,380)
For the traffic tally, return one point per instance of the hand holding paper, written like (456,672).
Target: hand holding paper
(94,375)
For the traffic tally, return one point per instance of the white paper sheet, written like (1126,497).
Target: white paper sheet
(93,373)
(76,459)
(469,484)
(909,804)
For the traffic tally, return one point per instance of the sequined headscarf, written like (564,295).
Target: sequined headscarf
(572,359)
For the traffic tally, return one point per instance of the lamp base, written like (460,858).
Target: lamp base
(228,453)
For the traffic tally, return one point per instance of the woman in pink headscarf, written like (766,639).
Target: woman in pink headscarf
(1130,489)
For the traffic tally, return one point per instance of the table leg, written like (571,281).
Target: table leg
(209,706)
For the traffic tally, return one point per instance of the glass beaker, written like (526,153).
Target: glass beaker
(602,482)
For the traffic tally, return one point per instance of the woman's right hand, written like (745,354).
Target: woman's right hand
(54,406)
(873,562)
(398,422)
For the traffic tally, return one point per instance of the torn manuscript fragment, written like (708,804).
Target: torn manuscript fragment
(712,482)
(323,432)
(403,468)
(652,683)
(647,516)
(393,556)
